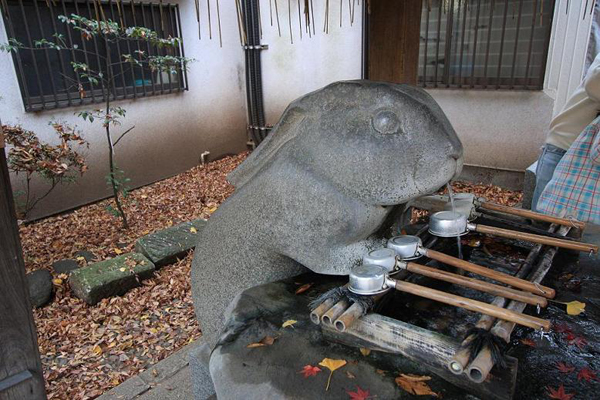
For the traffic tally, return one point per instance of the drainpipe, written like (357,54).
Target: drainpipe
(257,129)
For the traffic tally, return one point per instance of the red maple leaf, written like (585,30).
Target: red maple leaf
(359,394)
(570,337)
(586,374)
(528,342)
(578,341)
(562,328)
(309,370)
(564,368)
(559,394)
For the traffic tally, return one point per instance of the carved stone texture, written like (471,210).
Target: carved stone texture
(318,192)
(112,277)
(165,246)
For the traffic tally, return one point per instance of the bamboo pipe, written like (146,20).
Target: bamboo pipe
(476,284)
(348,317)
(317,313)
(490,273)
(470,304)
(355,311)
(533,215)
(481,366)
(530,237)
(334,312)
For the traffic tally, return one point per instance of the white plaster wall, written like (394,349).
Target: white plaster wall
(498,129)
(171,131)
(292,70)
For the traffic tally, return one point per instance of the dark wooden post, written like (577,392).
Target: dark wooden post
(394,28)
(21,375)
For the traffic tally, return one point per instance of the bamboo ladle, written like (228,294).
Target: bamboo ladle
(530,214)
(370,280)
(410,247)
(388,259)
(453,224)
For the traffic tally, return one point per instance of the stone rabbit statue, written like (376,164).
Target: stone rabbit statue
(315,193)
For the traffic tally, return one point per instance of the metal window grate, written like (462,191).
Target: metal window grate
(485,44)
(46,78)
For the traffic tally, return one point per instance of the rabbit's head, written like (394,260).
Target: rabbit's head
(378,142)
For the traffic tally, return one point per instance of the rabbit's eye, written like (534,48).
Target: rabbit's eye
(386,122)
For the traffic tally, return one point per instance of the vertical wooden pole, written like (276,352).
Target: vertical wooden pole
(394,30)
(20,366)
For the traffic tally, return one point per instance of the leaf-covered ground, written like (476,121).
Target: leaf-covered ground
(87,350)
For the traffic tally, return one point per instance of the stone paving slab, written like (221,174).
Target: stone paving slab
(165,246)
(168,379)
(112,277)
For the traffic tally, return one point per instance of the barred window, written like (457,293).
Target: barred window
(46,77)
(485,44)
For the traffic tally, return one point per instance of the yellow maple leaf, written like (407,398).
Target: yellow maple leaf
(331,365)
(193,230)
(415,384)
(80,258)
(365,352)
(118,251)
(289,322)
(575,307)
(57,281)
(97,350)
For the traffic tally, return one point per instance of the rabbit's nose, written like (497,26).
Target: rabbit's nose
(456,148)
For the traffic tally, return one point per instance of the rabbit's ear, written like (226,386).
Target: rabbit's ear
(286,130)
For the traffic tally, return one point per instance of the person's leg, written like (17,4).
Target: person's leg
(547,163)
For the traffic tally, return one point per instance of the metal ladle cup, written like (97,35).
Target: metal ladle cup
(406,247)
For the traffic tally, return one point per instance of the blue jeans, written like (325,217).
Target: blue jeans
(545,169)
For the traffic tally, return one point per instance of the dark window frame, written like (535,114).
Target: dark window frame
(45,77)
(471,65)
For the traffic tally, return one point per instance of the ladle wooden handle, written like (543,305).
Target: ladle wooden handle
(490,273)
(471,305)
(533,215)
(476,284)
(530,237)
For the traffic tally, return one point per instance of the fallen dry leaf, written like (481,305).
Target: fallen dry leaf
(193,230)
(364,351)
(303,288)
(559,394)
(331,365)
(266,341)
(350,375)
(117,250)
(575,307)
(564,368)
(415,384)
(289,322)
(57,281)
(309,370)
(586,374)
(359,394)
(528,342)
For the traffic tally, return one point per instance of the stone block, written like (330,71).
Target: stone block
(65,266)
(165,246)
(110,277)
(529,186)
(202,384)
(40,287)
